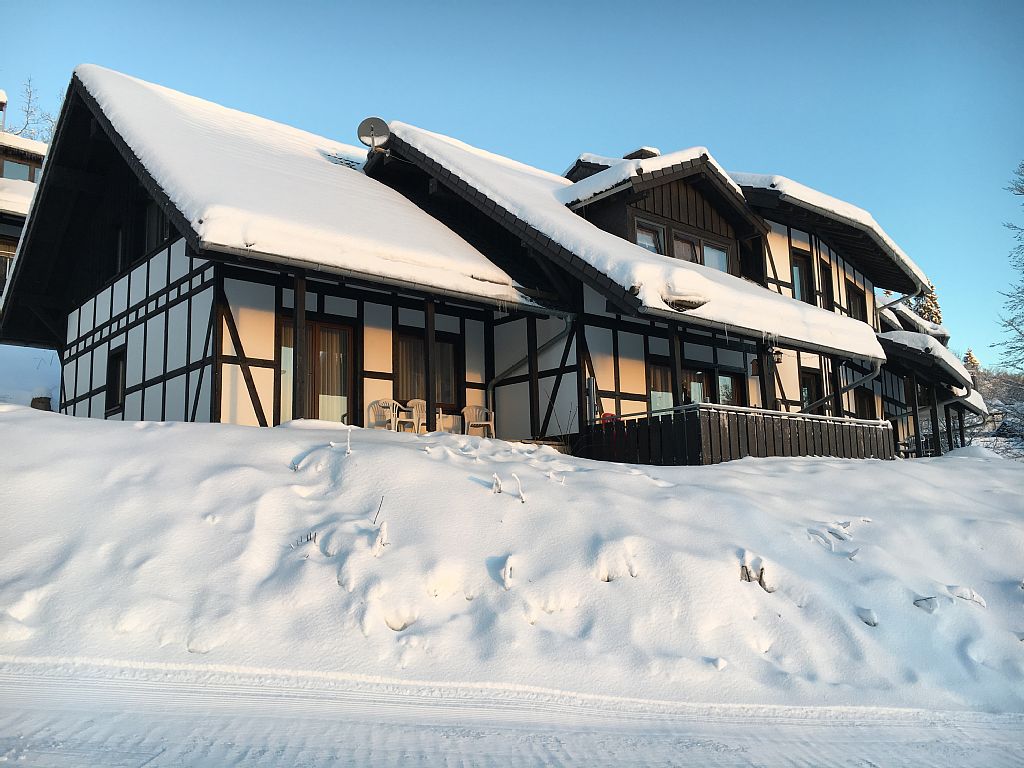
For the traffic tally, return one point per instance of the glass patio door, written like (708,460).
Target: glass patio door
(329,373)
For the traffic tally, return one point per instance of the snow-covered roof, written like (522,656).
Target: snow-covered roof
(620,171)
(909,317)
(834,208)
(973,401)
(537,198)
(16,196)
(887,315)
(923,343)
(248,185)
(21,143)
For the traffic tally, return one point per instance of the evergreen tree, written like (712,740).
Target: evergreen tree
(927,305)
(970,361)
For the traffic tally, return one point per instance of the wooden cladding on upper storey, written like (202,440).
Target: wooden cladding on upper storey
(682,202)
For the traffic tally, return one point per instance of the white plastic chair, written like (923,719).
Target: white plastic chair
(383,414)
(419,414)
(479,417)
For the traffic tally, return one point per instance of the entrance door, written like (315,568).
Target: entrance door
(330,374)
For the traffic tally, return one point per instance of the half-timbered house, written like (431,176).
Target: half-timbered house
(193,262)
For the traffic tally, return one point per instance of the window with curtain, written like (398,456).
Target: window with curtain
(332,373)
(659,381)
(410,376)
(694,388)
(684,249)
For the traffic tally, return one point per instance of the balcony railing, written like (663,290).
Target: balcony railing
(709,434)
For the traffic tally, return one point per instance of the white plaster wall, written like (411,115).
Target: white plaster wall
(632,366)
(599,342)
(475,352)
(512,411)
(510,346)
(252,306)
(377,352)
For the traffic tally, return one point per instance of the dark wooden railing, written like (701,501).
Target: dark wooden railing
(709,434)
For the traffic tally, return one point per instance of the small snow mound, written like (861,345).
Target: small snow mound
(868,616)
(967,593)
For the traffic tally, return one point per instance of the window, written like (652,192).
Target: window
(864,403)
(410,377)
(17,171)
(810,390)
(856,301)
(693,386)
(650,237)
(659,381)
(684,249)
(730,389)
(716,258)
(828,299)
(117,373)
(328,374)
(803,277)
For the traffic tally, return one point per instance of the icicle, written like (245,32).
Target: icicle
(496,485)
(348,442)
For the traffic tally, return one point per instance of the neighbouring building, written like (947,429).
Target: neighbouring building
(21,162)
(193,262)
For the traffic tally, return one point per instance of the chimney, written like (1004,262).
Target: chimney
(643,153)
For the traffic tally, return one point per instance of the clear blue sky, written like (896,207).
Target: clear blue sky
(913,110)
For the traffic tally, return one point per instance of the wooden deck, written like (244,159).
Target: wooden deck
(710,434)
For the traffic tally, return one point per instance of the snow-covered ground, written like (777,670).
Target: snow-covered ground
(26,372)
(220,595)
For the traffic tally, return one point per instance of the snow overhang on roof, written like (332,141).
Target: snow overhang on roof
(531,202)
(908,317)
(620,171)
(16,196)
(850,230)
(252,187)
(927,350)
(21,144)
(971,400)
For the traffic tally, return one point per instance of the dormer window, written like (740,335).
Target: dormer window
(683,249)
(716,258)
(650,236)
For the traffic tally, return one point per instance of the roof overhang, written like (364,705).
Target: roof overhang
(850,238)
(921,363)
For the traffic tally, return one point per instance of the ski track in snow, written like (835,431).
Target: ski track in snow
(125,716)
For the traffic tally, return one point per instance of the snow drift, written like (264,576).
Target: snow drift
(788,581)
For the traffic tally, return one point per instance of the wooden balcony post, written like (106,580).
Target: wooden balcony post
(534,384)
(429,364)
(936,432)
(675,351)
(915,413)
(300,351)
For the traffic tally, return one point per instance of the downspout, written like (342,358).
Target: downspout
(904,297)
(516,366)
(876,369)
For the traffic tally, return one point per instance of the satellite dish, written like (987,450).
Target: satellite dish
(373,132)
